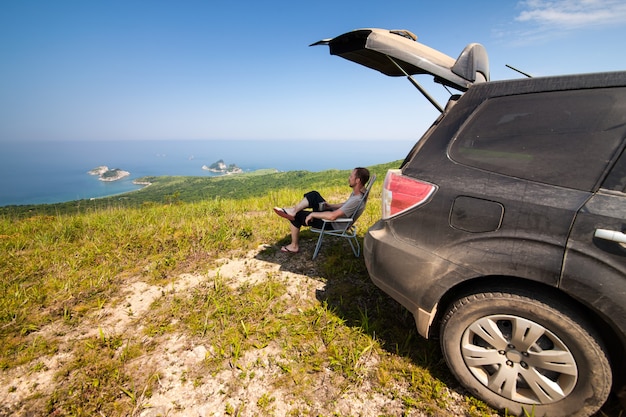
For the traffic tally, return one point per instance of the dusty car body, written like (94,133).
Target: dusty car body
(503,229)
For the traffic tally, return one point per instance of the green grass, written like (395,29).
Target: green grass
(63,265)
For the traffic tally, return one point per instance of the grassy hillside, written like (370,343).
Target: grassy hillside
(164,190)
(104,302)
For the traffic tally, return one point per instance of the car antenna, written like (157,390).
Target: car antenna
(521,72)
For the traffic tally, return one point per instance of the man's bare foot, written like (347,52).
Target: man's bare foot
(283,213)
(289,249)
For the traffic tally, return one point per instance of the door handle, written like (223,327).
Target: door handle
(611,235)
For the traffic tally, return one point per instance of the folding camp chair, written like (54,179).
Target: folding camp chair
(349,231)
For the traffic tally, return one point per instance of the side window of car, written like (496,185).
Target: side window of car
(562,138)
(616,180)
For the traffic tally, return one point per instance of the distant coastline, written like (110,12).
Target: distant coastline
(54,171)
(105,174)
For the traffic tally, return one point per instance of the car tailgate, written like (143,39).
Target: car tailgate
(397,53)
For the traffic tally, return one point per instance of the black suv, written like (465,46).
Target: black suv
(504,230)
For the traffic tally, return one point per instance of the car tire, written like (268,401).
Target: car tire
(526,354)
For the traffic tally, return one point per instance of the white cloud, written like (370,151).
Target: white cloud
(572,14)
(539,21)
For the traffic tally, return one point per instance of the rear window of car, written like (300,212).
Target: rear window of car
(563,138)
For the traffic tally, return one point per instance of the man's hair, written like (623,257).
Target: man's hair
(363,174)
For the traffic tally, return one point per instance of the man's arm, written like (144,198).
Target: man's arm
(348,206)
(334,206)
(325,215)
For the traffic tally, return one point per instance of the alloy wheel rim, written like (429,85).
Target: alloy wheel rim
(519,359)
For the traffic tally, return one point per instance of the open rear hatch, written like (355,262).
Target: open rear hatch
(397,53)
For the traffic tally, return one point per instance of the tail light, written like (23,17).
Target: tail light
(400,193)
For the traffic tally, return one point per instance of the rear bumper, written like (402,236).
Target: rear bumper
(414,277)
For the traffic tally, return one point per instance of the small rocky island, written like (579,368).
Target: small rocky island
(106,174)
(220,167)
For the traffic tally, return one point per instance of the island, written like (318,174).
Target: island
(105,174)
(220,167)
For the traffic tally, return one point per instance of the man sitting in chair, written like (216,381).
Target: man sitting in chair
(313,208)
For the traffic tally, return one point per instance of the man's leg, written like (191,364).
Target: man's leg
(298,213)
(295,237)
(301,205)
(311,200)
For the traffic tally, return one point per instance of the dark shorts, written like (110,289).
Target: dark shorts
(314,198)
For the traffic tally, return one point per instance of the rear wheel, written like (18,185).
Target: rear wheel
(522,353)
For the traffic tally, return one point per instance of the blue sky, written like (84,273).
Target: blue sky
(122,70)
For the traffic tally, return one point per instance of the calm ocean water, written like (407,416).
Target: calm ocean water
(52,172)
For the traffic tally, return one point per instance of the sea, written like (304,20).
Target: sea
(44,172)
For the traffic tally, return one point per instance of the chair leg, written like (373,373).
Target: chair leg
(356,248)
(318,245)
(352,239)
